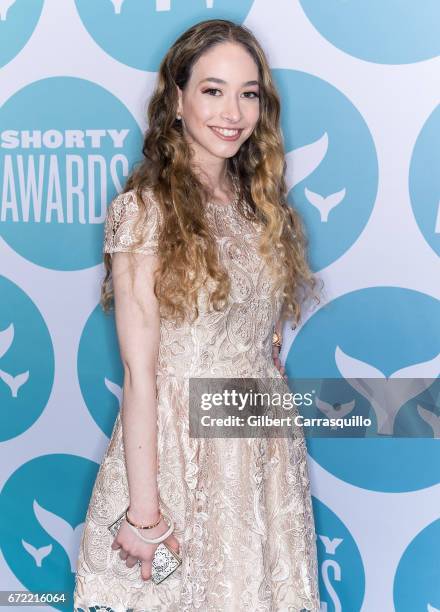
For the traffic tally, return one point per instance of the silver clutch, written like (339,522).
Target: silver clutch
(165,560)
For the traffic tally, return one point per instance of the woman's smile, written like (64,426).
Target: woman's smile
(226,133)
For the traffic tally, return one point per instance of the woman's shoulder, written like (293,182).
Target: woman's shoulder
(124,211)
(130,200)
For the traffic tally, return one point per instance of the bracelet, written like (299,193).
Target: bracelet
(160,538)
(276,339)
(142,526)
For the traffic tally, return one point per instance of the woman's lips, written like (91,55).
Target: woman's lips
(223,136)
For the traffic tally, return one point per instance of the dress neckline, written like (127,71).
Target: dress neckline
(232,202)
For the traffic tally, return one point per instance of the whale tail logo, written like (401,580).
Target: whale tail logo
(387,395)
(5,5)
(324,204)
(13,382)
(38,554)
(61,531)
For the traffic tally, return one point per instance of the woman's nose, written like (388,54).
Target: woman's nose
(231,109)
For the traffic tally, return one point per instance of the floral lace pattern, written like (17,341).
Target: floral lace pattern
(119,231)
(241,506)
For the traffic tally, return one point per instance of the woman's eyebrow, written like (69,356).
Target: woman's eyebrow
(216,80)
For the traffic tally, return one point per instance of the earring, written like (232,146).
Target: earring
(179,117)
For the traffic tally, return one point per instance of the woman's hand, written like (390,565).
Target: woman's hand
(133,548)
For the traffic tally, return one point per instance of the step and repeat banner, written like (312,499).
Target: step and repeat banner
(360,88)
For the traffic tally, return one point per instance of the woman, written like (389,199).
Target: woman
(203,258)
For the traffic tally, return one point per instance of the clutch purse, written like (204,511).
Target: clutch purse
(165,560)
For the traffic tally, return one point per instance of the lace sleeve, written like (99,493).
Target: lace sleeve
(119,228)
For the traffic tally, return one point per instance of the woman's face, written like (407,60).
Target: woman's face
(221,94)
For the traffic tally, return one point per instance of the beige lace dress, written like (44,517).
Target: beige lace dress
(241,506)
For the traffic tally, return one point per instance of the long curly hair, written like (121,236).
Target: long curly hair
(187,253)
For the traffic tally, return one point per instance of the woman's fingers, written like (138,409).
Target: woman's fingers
(115,545)
(145,563)
(173,543)
(131,561)
(146,570)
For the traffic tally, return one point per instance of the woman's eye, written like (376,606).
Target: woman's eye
(210,91)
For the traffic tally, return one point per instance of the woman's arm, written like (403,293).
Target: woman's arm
(138,329)
(137,324)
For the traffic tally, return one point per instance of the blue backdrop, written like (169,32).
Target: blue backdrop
(361,122)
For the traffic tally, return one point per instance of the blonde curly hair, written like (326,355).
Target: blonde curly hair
(187,252)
